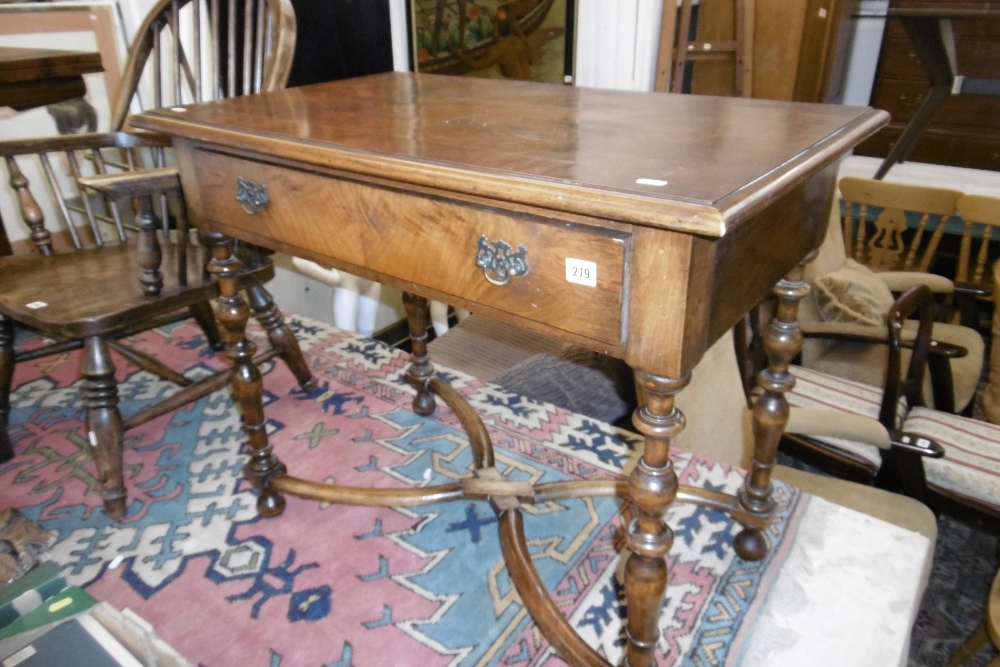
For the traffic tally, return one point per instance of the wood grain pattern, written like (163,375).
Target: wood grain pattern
(359,223)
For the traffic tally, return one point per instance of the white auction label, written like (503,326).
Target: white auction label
(581,272)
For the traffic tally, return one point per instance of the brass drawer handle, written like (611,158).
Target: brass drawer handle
(497,261)
(251,196)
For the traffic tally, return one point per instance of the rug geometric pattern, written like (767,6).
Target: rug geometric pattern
(338,586)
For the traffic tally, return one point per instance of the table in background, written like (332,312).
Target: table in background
(933,38)
(32,78)
(641,225)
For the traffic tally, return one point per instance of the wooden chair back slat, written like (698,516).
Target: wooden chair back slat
(59,198)
(891,242)
(982,213)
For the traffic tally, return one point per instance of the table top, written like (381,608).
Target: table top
(691,163)
(24,64)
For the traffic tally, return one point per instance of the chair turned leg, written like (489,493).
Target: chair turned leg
(420,370)
(104,424)
(246,382)
(203,314)
(652,488)
(280,335)
(6,381)
(782,340)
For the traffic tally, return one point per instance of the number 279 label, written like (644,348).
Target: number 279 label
(581,272)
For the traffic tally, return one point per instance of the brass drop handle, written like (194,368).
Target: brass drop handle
(251,196)
(497,261)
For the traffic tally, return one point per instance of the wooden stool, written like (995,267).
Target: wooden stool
(988,631)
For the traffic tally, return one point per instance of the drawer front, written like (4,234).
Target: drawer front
(423,239)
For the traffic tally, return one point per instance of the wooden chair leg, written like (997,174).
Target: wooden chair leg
(6,381)
(104,424)
(203,314)
(281,336)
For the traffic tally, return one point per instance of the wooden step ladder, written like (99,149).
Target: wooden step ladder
(677,49)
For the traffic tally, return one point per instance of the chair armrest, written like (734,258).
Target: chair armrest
(134,183)
(972,289)
(900,281)
(866,333)
(913,443)
(827,423)
(75,142)
(844,331)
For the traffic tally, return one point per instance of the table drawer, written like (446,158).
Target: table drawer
(423,238)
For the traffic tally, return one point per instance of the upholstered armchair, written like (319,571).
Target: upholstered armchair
(844,320)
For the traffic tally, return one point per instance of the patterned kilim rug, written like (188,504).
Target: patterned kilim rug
(331,585)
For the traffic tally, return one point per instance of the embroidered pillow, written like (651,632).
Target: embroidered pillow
(853,293)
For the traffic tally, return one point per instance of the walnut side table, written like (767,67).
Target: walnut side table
(641,225)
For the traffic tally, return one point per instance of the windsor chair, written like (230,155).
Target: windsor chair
(111,258)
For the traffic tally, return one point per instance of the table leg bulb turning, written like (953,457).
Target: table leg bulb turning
(652,487)
(247,384)
(783,341)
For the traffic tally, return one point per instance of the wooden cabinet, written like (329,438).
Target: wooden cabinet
(966,130)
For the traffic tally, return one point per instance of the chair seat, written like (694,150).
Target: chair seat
(970,467)
(96,291)
(866,363)
(819,390)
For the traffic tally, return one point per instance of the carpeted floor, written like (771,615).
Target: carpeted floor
(327,585)
(184,516)
(965,562)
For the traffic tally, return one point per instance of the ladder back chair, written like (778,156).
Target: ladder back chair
(113,252)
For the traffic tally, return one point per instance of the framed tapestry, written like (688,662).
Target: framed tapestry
(515,39)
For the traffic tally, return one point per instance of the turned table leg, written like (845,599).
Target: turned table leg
(246,382)
(652,488)
(783,341)
(420,371)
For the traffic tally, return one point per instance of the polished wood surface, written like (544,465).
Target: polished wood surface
(572,157)
(688,210)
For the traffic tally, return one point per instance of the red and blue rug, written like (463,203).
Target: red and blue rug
(337,586)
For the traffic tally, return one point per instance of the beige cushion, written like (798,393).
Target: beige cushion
(853,293)
(819,390)
(971,463)
(865,362)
